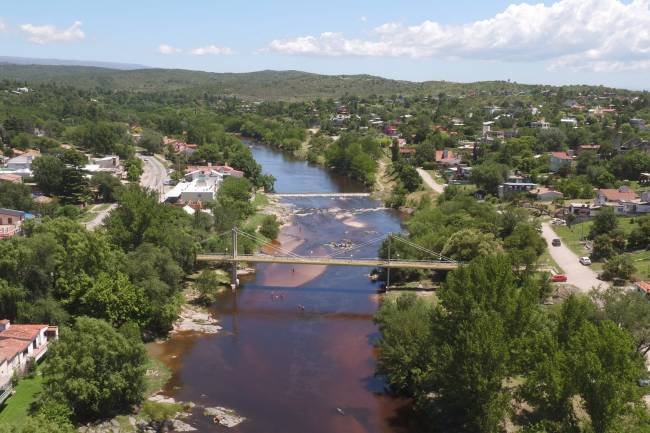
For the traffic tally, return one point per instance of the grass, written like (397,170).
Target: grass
(16,408)
(571,238)
(158,374)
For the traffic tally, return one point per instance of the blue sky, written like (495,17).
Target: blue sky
(556,42)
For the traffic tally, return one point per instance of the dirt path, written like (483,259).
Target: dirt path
(430,181)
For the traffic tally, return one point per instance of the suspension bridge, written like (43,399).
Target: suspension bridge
(342,257)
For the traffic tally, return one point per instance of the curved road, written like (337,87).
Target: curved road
(583,277)
(154,175)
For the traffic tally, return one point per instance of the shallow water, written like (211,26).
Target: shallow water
(295,353)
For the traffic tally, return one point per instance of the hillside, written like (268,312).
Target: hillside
(264,85)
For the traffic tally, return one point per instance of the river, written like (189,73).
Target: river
(295,354)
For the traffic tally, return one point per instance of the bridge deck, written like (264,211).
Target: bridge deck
(321,194)
(375,263)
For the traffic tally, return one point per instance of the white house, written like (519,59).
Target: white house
(20,344)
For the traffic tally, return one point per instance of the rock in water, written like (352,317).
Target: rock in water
(223,416)
(181,426)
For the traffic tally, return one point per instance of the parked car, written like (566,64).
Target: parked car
(556,242)
(558,222)
(644,382)
(585,261)
(558,278)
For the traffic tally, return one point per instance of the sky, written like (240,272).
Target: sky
(553,42)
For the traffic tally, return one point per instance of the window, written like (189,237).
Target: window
(10,220)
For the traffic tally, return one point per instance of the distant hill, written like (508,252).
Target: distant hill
(262,85)
(61,62)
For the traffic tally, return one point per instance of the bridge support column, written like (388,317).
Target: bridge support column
(234,281)
(388,268)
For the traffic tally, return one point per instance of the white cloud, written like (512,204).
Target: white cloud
(600,35)
(363,19)
(48,33)
(168,49)
(211,49)
(3,26)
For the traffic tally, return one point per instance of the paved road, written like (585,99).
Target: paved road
(579,275)
(430,181)
(99,219)
(154,175)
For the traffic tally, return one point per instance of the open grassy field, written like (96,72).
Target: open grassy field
(16,409)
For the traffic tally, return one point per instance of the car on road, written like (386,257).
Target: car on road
(556,242)
(558,278)
(558,222)
(585,261)
(644,382)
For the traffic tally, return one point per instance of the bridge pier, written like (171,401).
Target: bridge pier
(234,281)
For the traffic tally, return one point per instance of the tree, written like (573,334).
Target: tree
(49,174)
(466,244)
(489,175)
(618,267)
(94,370)
(604,223)
(151,141)
(207,284)
(629,310)
(482,339)
(16,196)
(270,227)
(605,370)
(134,168)
(115,299)
(405,344)
(107,186)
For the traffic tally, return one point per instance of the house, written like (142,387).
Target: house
(390,130)
(193,171)
(11,178)
(643,287)
(19,345)
(20,165)
(569,121)
(541,124)
(559,160)
(201,184)
(622,194)
(546,194)
(588,148)
(11,222)
(638,123)
(623,200)
(515,184)
(447,158)
(105,164)
(581,209)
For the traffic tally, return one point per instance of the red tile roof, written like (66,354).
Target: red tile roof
(618,194)
(561,155)
(22,332)
(11,347)
(644,285)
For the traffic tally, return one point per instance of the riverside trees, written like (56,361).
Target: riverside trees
(488,345)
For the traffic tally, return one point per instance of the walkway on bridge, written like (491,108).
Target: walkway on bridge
(321,194)
(342,257)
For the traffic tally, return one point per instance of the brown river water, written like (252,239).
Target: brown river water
(296,351)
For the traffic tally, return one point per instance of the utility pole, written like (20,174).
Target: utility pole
(388,267)
(233,269)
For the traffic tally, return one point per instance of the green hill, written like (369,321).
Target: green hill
(264,85)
